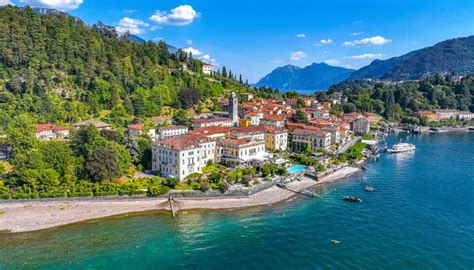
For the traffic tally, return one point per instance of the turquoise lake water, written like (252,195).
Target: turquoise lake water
(421,216)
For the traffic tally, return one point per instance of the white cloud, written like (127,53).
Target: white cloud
(331,61)
(348,66)
(206,57)
(62,5)
(297,55)
(325,51)
(301,35)
(275,61)
(326,41)
(195,52)
(189,42)
(377,40)
(5,2)
(134,26)
(182,15)
(130,11)
(366,56)
(356,33)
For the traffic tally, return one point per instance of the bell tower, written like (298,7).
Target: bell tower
(233,109)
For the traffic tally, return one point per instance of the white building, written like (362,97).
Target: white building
(254,117)
(171,131)
(361,126)
(466,116)
(276,138)
(212,122)
(320,114)
(48,132)
(181,156)
(207,69)
(241,151)
(310,139)
(98,124)
(251,132)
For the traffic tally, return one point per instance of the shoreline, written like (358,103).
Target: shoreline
(28,216)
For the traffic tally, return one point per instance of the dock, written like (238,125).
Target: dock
(170,200)
(302,191)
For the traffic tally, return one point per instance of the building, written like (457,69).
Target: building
(273,121)
(171,131)
(213,132)
(212,122)
(361,126)
(138,129)
(276,139)
(233,109)
(98,124)
(447,114)
(181,156)
(319,114)
(243,123)
(428,115)
(252,132)
(310,139)
(48,132)
(254,117)
(207,69)
(242,151)
(247,96)
(466,116)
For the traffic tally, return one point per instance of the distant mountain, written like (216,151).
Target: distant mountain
(313,77)
(453,55)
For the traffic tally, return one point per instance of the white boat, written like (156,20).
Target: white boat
(401,147)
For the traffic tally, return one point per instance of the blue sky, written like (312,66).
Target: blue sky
(254,37)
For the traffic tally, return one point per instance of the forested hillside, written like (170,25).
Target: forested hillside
(449,56)
(396,101)
(58,69)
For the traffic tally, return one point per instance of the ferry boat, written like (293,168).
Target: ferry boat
(401,147)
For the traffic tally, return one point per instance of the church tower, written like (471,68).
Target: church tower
(233,109)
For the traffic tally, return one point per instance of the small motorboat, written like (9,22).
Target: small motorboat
(352,199)
(335,241)
(369,189)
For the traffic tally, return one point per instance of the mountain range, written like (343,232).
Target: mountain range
(314,76)
(449,56)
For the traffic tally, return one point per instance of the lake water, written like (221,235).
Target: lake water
(421,216)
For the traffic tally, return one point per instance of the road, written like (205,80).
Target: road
(347,145)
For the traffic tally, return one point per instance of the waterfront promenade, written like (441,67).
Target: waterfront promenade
(22,216)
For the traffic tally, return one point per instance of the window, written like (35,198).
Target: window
(190,153)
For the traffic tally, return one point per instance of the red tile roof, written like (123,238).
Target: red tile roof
(211,130)
(211,120)
(49,127)
(136,126)
(314,132)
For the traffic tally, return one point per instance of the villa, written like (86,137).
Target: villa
(46,132)
(310,139)
(181,156)
(98,124)
(242,151)
(171,131)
